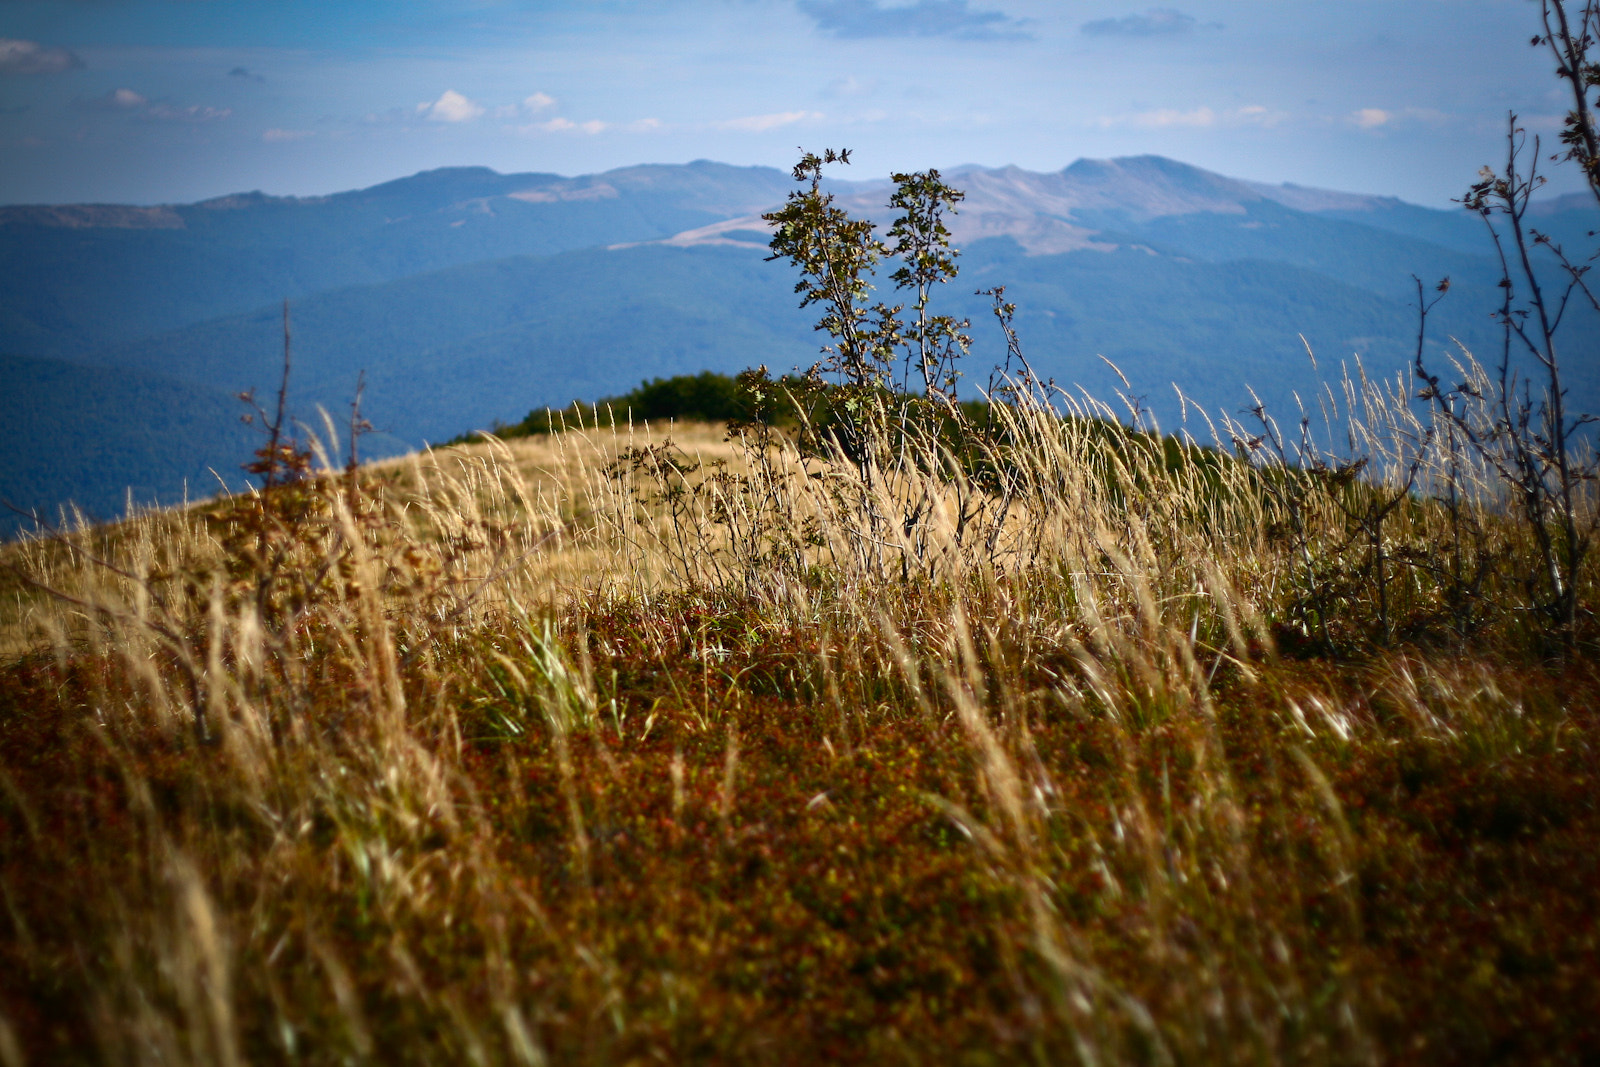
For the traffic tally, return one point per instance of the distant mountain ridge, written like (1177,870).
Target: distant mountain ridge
(1073,208)
(713,185)
(467,296)
(79,277)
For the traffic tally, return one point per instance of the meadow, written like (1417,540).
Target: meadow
(629,744)
(896,729)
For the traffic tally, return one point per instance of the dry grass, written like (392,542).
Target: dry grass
(580,749)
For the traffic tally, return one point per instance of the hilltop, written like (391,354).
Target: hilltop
(469,296)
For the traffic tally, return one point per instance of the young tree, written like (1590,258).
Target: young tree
(864,413)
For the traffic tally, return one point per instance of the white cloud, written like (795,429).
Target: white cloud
(1376,118)
(1196,118)
(1161,118)
(126,101)
(276,136)
(31,57)
(529,106)
(1257,115)
(561,125)
(192,113)
(763,123)
(115,100)
(450,107)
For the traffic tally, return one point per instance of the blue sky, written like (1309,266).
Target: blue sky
(175,100)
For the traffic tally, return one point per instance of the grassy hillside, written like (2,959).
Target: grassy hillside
(896,729)
(609,748)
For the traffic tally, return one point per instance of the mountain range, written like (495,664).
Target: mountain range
(465,296)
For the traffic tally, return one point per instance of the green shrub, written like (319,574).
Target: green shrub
(704,397)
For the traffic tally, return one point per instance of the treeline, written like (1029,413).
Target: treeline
(713,397)
(704,397)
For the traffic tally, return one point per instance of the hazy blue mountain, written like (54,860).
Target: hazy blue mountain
(75,278)
(102,441)
(68,435)
(463,347)
(468,297)
(456,349)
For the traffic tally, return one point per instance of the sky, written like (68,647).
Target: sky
(172,101)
